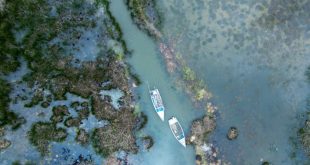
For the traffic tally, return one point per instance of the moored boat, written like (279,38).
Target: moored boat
(177,130)
(158,103)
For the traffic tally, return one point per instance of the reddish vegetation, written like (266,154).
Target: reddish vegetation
(168,54)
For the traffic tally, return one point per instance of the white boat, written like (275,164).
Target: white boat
(177,130)
(158,103)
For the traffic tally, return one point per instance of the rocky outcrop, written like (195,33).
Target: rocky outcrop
(232,133)
(200,129)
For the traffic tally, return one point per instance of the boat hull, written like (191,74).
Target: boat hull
(177,131)
(158,103)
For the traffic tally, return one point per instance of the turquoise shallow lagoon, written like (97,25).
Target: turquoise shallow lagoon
(253,56)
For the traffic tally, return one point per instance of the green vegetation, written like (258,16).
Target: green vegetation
(136,79)
(42,133)
(149,140)
(143,120)
(115,136)
(6,116)
(83,113)
(308,73)
(9,49)
(16,163)
(118,34)
(194,86)
(139,10)
(36,99)
(188,74)
(265,163)
(47,49)
(58,113)
(82,137)
(72,122)
(304,133)
(45,104)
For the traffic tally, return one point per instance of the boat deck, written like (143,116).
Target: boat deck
(177,130)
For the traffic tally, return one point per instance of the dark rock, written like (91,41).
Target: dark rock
(232,133)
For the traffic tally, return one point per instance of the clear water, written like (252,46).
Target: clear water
(148,64)
(255,70)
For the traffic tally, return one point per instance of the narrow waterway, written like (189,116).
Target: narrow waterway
(148,64)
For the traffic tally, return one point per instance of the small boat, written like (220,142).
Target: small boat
(177,130)
(158,103)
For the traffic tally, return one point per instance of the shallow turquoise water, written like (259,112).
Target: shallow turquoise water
(148,64)
(254,70)
(253,56)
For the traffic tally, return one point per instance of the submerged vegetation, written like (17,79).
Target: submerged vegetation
(116,136)
(50,36)
(304,133)
(42,133)
(145,14)
(7,116)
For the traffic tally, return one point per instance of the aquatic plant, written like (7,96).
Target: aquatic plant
(36,99)
(58,113)
(304,132)
(116,136)
(72,121)
(16,163)
(9,50)
(136,78)
(47,47)
(140,13)
(148,142)
(265,163)
(7,116)
(42,133)
(142,121)
(188,74)
(82,137)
